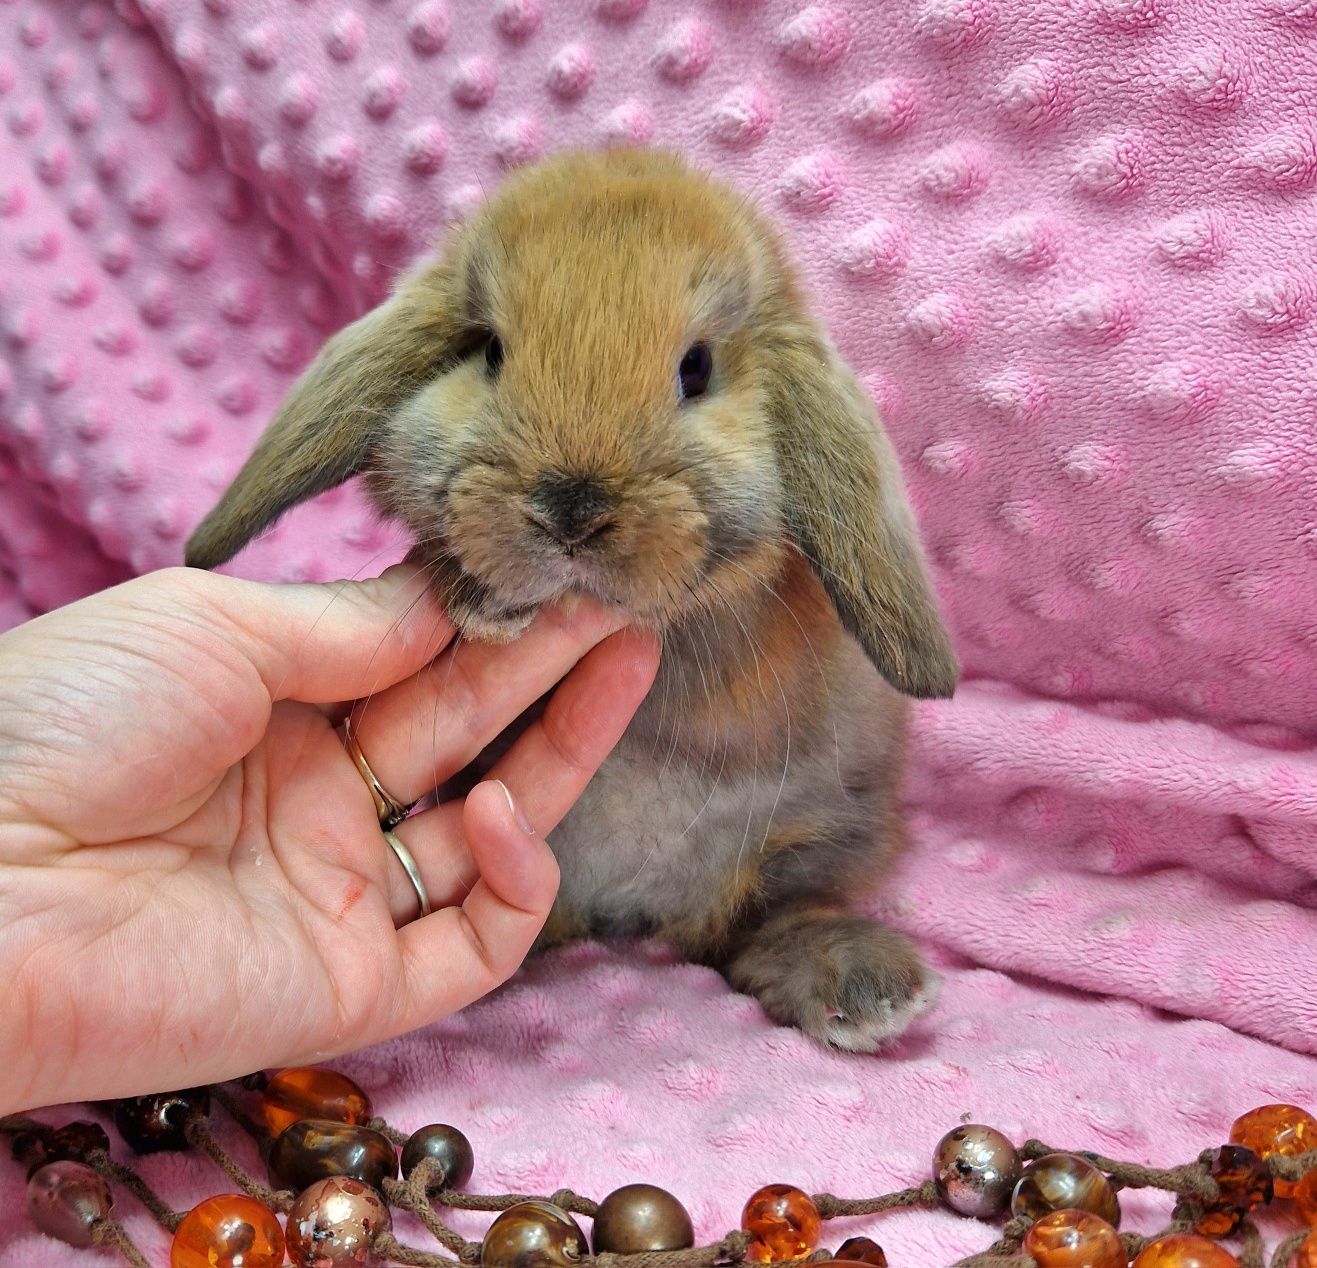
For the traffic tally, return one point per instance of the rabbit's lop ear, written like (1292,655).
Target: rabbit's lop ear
(847,510)
(322,433)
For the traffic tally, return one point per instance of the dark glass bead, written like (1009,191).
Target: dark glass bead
(1244,1182)
(448,1147)
(641,1217)
(74,1141)
(313,1149)
(150,1124)
(863,1249)
(66,1199)
(975,1169)
(533,1235)
(310,1092)
(335,1223)
(28,1151)
(1064,1182)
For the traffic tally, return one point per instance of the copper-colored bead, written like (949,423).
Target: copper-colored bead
(533,1235)
(1184,1250)
(1074,1239)
(1306,1255)
(448,1147)
(66,1200)
(1276,1129)
(641,1217)
(784,1223)
(309,1092)
(150,1124)
(334,1224)
(863,1249)
(1305,1198)
(312,1149)
(975,1169)
(1064,1182)
(228,1231)
(1244,1183)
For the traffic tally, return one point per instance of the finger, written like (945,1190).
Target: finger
(460,953)
(336,641)
(426,728)
(437,843)
(550,764)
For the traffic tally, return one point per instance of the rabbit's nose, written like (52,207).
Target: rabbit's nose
(571,509)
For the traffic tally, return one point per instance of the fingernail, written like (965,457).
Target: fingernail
(522,822)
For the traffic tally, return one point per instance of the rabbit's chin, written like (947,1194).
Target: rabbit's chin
(494,611)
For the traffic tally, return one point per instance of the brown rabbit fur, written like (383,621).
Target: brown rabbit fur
(519,405)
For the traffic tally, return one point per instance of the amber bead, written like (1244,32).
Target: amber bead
(150,1124)
(334,1224)
(1305,1198)
(313,1149)
(1074,1239)
(975,1169)
(309,1092)
(784,1223)
(1184,1250)
(1276,1129)
(533,1235)
(641,1217)
(1064,1182)
(66,1199)
(863,1250)
(1306,1255)
(448,1147)
(229,1231)
(1245,1183)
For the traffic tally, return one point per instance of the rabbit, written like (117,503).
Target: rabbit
(609,382)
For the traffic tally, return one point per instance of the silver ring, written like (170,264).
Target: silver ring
(409,866)
(388,808)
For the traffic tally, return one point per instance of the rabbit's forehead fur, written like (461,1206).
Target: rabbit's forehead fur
(596,282)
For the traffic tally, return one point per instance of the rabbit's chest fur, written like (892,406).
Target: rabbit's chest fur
(706,804)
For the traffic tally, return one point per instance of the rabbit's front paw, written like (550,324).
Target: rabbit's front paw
(846,981)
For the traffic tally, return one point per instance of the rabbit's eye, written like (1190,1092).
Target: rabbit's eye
(694,372)
(494,356)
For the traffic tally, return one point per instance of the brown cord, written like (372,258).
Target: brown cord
(166,1217)
(1192,1184)
(197,1130)
(108,1232)
(1284,1253)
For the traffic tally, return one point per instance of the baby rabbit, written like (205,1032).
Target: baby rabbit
(610,384)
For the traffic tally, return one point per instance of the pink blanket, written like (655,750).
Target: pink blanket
(1069,246)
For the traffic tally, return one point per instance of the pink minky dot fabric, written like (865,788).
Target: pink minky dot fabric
(1068,244)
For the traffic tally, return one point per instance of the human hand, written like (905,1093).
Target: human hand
(193,880)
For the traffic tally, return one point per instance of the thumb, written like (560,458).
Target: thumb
(332,641)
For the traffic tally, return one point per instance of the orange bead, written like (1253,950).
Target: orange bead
(785,1224)
(1305,1198)
(1306,1255)
(1183,1250)
(1074,1239)
(230,1231)
(1276,1129)
(309,1092)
